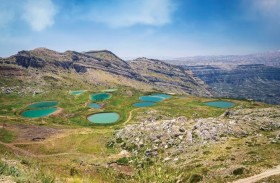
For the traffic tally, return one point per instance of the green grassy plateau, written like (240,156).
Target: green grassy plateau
(66,147)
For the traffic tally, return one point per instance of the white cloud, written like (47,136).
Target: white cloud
(266,8)
(125,13)
(39,14)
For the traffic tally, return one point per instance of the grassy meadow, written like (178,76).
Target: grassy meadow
(80,150)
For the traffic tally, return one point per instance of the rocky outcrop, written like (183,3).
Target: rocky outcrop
(29,61)
(167,77)
(79,68)
(176,135)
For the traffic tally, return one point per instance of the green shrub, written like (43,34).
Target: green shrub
(47,179)
(123,161)
(195,178)
(5,169)
(238,171)
(73,171)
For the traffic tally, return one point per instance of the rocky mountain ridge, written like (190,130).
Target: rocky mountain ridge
(102,68)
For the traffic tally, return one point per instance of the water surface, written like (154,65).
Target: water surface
(149,98)
(100,96)
(77,92)
(104,118)
(94,105)
(220,104)
(165,96)
(110,90)
(37,113)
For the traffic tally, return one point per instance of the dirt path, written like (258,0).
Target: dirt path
(260,176)
(17,150)
(8,117)
(129,116)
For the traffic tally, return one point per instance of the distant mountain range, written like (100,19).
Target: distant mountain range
(254,76)
(42,67)
(271,58)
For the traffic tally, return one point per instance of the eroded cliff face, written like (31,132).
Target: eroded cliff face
(105,68)
(253,76)
(257,81)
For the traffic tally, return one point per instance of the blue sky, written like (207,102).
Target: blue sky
(133,28)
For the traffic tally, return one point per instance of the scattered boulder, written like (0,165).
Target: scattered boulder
(176,135)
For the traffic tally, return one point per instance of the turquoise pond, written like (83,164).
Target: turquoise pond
(37,113)
(109,90)
(220,104)
(100,96)
(165,96)
(44,104)
(94,105)
(77,92)
(104,118)
(155,97)
(143,104)
(150,98)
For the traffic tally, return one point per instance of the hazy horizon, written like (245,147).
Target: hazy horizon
(141,28)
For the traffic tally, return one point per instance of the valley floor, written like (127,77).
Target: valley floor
(224,147)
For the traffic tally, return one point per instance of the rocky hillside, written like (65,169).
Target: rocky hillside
(258,82)
(166,76)
(239,142)
(47,68)
(178,134)
(253,76)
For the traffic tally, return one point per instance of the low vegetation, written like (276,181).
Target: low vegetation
(79,151)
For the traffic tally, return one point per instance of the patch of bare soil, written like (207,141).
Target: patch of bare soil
(28,132)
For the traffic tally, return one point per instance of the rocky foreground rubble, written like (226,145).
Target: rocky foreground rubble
(20,90)
(178,134)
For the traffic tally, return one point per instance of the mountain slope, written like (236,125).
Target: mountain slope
(167,77)
(258,82)
(255,76)
(47,67)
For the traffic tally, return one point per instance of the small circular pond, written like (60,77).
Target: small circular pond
(37,113)
(100,96)
(77,92)
(150,98)
(143,104)
(220,104)
(104,118)
(94,105)
(44,104)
